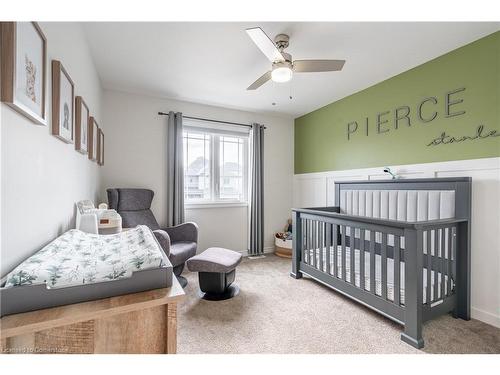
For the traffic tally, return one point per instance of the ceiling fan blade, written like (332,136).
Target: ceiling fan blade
(265,44)
(260,81)
(303,66)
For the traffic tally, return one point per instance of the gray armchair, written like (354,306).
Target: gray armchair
(179,242)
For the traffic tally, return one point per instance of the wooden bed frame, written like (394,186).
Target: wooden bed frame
(324,237)
(144,322)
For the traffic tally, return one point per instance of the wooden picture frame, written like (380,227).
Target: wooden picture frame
(63,103)
(100,147)
(93,138)
(23,69)
(82,119)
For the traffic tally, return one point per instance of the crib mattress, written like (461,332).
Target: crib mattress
(378,273)
(79,266)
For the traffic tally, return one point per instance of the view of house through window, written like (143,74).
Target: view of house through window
(215,165)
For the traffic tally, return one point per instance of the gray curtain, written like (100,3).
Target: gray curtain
(175,170)
(257,191)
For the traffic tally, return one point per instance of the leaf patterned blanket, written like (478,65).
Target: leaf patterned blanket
(77,258)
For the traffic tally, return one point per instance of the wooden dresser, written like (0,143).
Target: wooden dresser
(143,322)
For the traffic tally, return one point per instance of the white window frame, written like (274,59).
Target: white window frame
(215,143)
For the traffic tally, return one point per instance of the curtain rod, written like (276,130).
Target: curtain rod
(207,119)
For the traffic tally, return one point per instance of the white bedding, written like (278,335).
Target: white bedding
(378,273)
(77,258)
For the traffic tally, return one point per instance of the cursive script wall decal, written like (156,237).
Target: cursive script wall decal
(445,139)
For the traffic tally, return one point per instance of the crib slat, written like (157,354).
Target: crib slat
(362,259)
(451,259)
(352,246)
(317,257)
(372,262)
(441,263)
(436,274)
(342,254)
(383,254)
(304,239)
(453,255)
(309,240)
(328,246)
(429,268)
(314,241)
(335,250)
(397,268)
(323,247)
(320,246)
(325,240)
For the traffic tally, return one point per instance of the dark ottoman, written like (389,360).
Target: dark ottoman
(216,269)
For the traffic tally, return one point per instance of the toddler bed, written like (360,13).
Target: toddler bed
(79,266)
(400,247)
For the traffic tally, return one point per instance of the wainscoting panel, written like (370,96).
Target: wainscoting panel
(310,192)
(318,189)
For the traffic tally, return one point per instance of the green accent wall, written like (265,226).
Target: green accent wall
(321,142)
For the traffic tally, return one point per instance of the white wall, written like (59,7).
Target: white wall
(318,189)
(134,157)
(42,177)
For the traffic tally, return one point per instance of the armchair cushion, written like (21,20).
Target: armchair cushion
(187,232)
(164,241)
(181,251)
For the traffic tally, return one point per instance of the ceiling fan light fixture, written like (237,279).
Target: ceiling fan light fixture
(281,74)
(283,66)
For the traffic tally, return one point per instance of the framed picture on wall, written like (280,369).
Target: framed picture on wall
(93,138)
(82,117)
(23,62)
(63,99)
(100,147)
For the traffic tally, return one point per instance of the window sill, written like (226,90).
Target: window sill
(190,206)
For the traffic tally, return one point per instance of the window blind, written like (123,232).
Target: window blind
(216,128)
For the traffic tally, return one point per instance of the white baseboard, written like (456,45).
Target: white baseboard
(269,250)
(485,317)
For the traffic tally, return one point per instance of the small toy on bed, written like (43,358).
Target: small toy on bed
(97,220)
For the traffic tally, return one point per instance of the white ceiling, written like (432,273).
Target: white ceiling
(213,63)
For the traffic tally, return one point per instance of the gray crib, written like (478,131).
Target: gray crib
(399,247)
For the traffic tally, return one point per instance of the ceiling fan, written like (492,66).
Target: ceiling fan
(282,65)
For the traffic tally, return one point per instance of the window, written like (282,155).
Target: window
(215,163)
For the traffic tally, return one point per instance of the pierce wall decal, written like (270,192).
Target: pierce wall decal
(427,110)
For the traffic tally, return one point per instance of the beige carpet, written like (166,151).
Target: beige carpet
(275,313)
